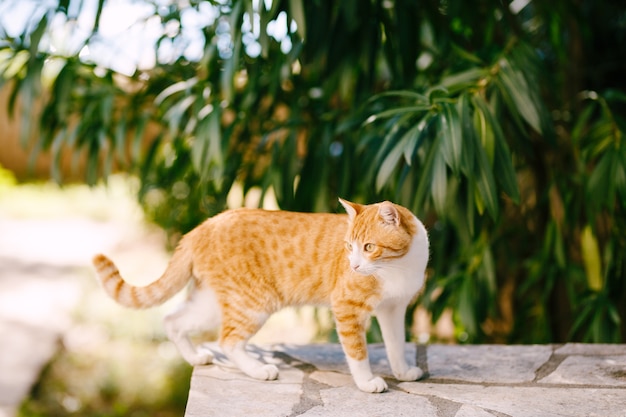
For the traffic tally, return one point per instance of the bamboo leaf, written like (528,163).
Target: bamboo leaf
(174,115)
(424,183)
(591,258)
(485,134)
(467,156)
(415,136)
(36,35)
(503,165)
(390,162)
(397,111)
(462,80)
(452,140)
(467,311)
(296,9)
(15,64)
(485,182)
(175,88)
(519,91)
(439,184)
(408,94)
(600,187)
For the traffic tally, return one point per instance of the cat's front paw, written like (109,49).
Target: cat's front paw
(412,374)
(374,385)
(265,373)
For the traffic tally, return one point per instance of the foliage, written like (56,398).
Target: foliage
(501,125)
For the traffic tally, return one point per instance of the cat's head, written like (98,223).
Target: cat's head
(377,233)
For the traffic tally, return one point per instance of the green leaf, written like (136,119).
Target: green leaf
(15,64)
(397,111)
(439,184)
(390,162)
(415,136)
(424,184)
(467,304)
(408,94)
(520,93)
(467,125)
(462,80)
(296,9)
(601,185)
(175,88)
(502,165)
(452,140)
(485,182)
(36,35)
(591,258)
(485,134)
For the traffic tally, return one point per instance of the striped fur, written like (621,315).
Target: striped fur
(246,264)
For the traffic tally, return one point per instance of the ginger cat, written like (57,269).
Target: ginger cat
(246,264)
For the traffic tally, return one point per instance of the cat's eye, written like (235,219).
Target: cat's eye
(369,247)
(349,246)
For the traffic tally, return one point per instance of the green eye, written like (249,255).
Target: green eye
(369,247)
(349,246)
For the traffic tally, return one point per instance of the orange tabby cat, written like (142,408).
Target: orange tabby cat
(246,264)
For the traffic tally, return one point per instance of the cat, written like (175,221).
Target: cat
(246,264)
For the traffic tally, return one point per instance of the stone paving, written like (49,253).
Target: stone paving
(461,381)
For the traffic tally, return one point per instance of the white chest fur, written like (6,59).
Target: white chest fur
(402,278)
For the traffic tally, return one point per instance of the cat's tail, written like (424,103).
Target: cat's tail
(174,279)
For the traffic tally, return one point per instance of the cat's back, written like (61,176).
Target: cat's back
(272,232)
(288,252)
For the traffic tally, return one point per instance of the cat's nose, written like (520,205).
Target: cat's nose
(355,267)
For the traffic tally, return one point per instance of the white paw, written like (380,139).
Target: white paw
(265,373)
(412,374)
(202,357)
(376,384)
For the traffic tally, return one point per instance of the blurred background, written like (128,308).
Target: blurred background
(125,123)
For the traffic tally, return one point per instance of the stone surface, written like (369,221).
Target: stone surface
(531,401)
(590,370)
(346,402)
(331,357)
(463,381)
(487,363)
(597,349)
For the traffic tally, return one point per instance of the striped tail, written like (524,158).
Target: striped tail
(174,279)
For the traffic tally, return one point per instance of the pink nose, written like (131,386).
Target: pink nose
(355,267)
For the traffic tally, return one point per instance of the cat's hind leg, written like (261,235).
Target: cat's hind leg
(199,313)
(237,328)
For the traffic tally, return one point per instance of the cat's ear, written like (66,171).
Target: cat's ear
(388,212)
(351,208)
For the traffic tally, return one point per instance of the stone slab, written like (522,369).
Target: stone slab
(596,349)
(590,370)
(216,391)
(472,411)
(486,363)
(348,402)
(520,401)
(315,381)
(330,357)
